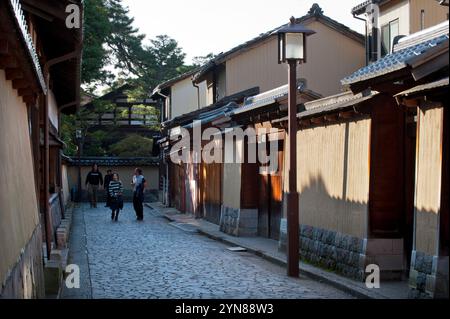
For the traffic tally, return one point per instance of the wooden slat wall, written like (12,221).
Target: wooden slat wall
(19,212)
(333,176)
(211,180)
(428,172)
(444,230)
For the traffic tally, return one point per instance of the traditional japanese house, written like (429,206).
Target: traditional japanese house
(252,202)
(247,70)
(39,78)
(430,246)
(409,202)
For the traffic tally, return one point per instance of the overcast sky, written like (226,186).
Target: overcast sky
(204,26)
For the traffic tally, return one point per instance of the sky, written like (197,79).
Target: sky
(205,26)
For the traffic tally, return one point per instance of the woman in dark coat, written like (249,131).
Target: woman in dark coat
(115,192)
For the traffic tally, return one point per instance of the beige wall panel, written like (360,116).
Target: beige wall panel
(434,14)
(53,110)
(232,185)
(232,172)
(428,175)
(333,176)
(204,97)
(331,57)
(396,10)
(184,97)
(222,84)
(65,184)
(18,201)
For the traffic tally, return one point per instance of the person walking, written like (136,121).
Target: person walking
(108,179)
(139,184)
(115,190)
(94,180)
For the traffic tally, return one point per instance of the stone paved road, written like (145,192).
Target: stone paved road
(152,259)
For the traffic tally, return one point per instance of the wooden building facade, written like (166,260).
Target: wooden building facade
(39,78)
(415,74)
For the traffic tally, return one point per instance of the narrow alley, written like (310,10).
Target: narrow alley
(152,259)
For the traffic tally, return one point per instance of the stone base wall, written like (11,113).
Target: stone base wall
(239,222)
(328,249)
(388,254)
(428,277)
(26,278)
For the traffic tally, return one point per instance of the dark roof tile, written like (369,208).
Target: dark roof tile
(392,62)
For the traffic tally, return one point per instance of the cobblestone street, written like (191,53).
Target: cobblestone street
(152,259)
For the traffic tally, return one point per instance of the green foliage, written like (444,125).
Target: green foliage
(133,146)
(96,30)
(202,60)
(82,121)
(111,40)
(68,127)
(95,143)
(124,41)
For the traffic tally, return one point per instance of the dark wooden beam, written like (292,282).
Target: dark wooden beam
(20,84)
(408,102)
(317,120)
(25,92)
(38,13)
(346,115)
(331,117)
(8,62)
(56,9)
(29,99)
(4,47)
(13,74)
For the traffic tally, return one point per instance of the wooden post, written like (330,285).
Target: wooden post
(47,214)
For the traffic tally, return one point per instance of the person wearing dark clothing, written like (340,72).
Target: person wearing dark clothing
(108,179)
(94,180)
(138,183)
(115,191)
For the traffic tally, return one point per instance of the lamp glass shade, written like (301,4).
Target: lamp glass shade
(78,134)
(294,43)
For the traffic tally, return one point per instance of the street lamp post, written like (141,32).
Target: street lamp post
(79,136)
(292,49)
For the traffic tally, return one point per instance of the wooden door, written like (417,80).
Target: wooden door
(270,208)
(182,187)
(212,191)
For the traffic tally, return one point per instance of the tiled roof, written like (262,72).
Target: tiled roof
(208,117)
(113,161)
(393,62)
(361,8)
(332,103)
(267,98)
(424,87)
(314,12)
(197,114)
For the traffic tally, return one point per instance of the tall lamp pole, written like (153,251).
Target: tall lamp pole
(292,50)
